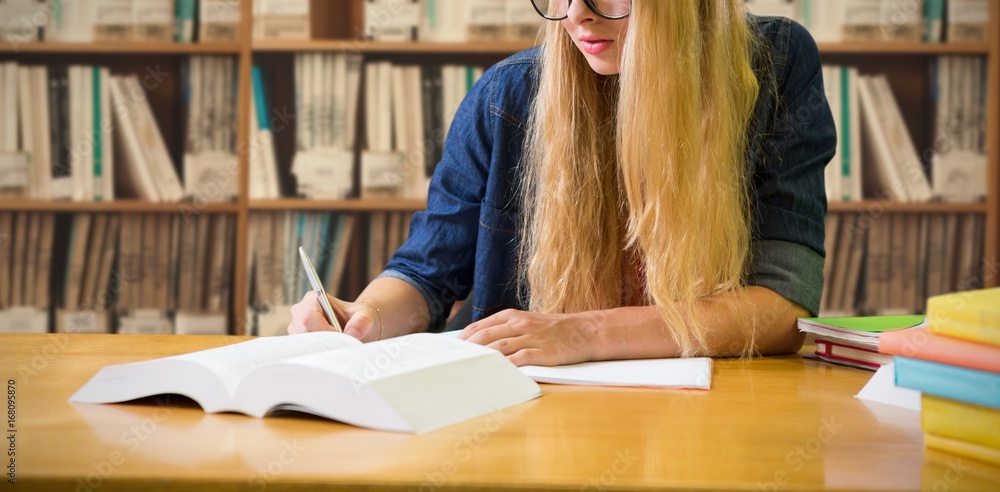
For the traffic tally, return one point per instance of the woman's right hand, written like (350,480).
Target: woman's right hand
(307,315)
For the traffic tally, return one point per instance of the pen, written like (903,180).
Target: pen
(324,302)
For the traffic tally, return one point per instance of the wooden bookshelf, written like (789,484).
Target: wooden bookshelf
(883,49)
(123,48)
(117,206)
(335,26)
(888,206)
(356,205)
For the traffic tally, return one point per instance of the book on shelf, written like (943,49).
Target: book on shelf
(218,21)
(327,86)
(455,21)
(968,21)
(416,383)
(281,19)
(86,21)
(211,167)
(25,270)
(264,181)
(958,162)
(405,112)
(277,281)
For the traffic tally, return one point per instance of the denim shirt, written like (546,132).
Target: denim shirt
(467,237)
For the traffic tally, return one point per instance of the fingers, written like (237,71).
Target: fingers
(359,325)
(488,322)
(529,357)
(307,315)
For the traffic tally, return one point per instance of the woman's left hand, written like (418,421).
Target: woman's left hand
(536,339)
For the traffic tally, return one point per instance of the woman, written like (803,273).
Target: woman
(649,183)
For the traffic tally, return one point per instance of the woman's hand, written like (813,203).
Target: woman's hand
(307,315)
(536,339)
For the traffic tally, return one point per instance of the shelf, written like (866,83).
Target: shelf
(350,205)
(392,47)
(121,48)
(122,206)
(876,48)
(879,206)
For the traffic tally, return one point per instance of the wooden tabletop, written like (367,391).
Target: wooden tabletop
(777,423)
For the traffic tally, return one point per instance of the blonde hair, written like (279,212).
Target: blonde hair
(650,163)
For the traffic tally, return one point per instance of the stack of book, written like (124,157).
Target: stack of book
(931,21)
(955,364)
(855,341)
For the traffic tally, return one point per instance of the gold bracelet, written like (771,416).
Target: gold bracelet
(378,313)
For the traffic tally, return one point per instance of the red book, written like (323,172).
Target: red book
(922,344)
(852,355)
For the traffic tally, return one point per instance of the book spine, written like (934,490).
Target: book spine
(972,423)
(945,381)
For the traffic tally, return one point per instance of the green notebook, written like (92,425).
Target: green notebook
(869,324)
(863,330)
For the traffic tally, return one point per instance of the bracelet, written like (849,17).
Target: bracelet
(378,313)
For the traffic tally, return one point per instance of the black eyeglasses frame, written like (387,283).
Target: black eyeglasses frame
(590,5)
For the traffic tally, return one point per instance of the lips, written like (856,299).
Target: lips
(595,45)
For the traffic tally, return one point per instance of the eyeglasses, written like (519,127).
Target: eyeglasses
(556,10)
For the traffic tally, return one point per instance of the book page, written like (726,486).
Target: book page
(693,373)
(232,362)
(391,357)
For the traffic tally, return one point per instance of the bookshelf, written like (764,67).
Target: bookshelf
(335,29)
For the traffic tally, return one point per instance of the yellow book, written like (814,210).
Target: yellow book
(963,421)
(972,315)
(962,448)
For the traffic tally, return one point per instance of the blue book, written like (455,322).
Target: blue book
(945,381)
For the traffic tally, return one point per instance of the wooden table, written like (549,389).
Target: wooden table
(778,423)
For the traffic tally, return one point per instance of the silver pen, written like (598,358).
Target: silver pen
(324,302)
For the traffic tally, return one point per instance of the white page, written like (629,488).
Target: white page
(882,388)
(231,362)
(663,373)
(694,373)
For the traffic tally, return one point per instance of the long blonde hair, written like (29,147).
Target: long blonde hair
(649,164)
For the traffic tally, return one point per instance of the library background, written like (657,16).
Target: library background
(162,160)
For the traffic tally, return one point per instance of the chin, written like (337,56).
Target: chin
(603,67)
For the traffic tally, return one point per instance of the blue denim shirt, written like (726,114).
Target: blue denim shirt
(467,237)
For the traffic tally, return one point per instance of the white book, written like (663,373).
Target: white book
(416,383)
(257,185)
(282,19)
(218,21)
(371,106)
(42,159)
(26,113)
(134,174)
(776,8)
(324,111)
(855,183)
(416,179)
(5,113)
(354,67)
(300,115)
(968,21)
(76,166)
(196,113)
(862,20)
(825,20)
(112,19)
(86,95)
(153,20)
(162,168)
(72,21)
(384,107)
(106,190)
(339,102)
(316,99)
(908,162)
(400,131)
(882,177)
(308,103)
(834,172)
(8,142)
(486,20)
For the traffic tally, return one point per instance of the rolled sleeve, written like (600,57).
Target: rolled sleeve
(792,270)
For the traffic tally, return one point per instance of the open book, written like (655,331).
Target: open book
(414,383)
